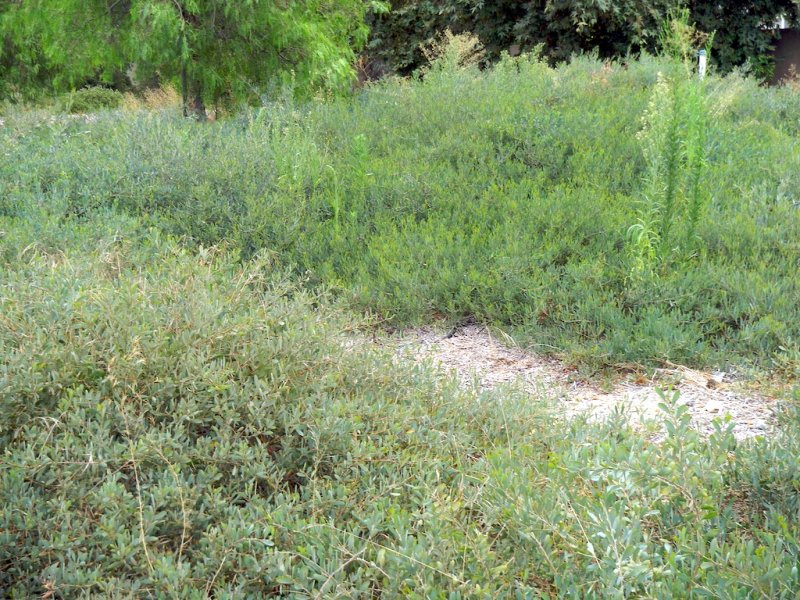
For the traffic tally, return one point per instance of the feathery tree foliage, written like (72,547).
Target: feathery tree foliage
(214,50)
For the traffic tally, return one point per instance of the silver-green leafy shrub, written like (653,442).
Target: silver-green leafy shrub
(181,423)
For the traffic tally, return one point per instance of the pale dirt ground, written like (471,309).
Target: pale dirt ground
(476,356)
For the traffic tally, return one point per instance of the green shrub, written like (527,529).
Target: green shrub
(187,424)
(91,99)
(184,423)
(187,407)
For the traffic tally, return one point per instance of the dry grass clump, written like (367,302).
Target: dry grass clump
(159,98)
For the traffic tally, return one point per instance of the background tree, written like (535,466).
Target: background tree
(744,30)
(213,50)
(566,27)
(56,45)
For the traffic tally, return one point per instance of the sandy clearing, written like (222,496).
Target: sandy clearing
(474,355)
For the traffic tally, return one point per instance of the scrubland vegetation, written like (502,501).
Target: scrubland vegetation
(184,409)
(505,195)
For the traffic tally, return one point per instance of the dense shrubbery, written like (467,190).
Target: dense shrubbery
(504,195)
(185,424)
(180,417)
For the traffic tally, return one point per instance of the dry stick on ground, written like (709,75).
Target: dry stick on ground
(138,487)
(184,513)
(338,570)
(210,584)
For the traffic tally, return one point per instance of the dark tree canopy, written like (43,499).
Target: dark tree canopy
(742,31)
(566,27)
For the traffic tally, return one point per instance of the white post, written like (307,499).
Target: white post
(702,64)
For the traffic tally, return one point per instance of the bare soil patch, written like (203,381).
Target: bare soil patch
(478,357)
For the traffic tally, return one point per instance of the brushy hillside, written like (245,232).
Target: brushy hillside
(185,424)
(185,409)
(506,196)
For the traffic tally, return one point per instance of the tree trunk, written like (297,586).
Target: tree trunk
(196,108)
(184,91)
(193,105)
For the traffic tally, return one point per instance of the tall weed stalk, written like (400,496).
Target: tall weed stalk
(674,146)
